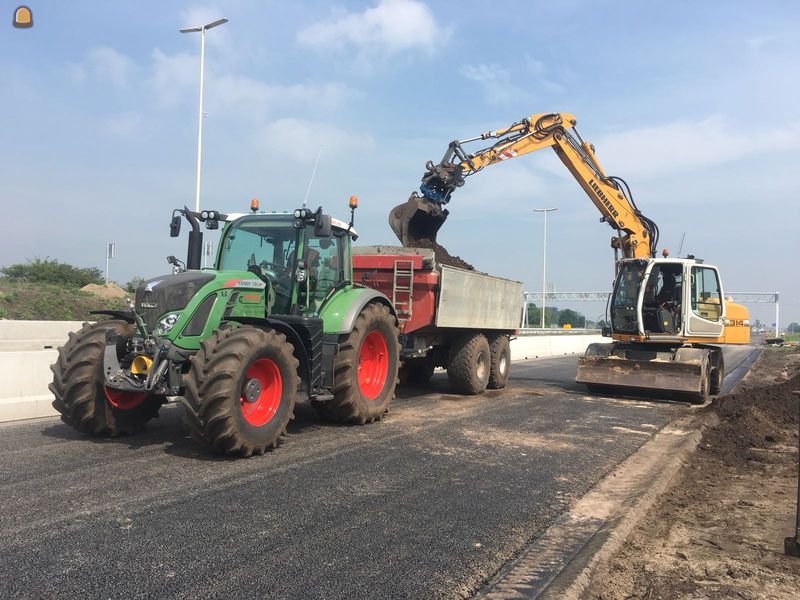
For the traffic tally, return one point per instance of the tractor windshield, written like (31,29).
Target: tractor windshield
(626,295)
(267,243)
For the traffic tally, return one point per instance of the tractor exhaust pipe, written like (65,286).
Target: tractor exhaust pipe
(194,255)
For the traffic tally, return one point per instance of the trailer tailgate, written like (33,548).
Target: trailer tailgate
(468,299)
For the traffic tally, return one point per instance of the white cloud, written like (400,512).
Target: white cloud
(494,80)
(126,124)
(110,65)
(174,80)
(683,146)
(301,139)
(541,79)
(390,27)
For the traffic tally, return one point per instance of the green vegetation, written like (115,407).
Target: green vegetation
(553,317)
(49,270)
(46,289)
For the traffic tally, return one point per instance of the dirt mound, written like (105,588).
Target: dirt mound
(443,257)
(109,290)
(756,418)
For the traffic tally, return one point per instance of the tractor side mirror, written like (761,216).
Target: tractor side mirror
(175,226)
(322,225)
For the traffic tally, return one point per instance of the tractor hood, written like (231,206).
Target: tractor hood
(169,293)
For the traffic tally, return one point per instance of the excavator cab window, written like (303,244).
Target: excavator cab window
(630,276)
(706,300)
(661,305)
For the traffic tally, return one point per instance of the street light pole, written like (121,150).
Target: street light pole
(202,30)
(544,257)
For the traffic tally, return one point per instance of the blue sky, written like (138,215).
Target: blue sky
(694,104)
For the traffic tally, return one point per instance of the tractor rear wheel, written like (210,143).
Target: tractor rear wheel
(241,390)
(469,365)
(365,368)
(500,351)
(79,388)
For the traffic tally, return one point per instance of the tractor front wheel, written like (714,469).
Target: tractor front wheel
(241,390)
(81,395)
(365,369)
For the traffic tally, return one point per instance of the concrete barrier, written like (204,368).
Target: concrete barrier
(542,346)
(27,349)
(35,335)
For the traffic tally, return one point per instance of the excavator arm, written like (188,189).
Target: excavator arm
(419,219)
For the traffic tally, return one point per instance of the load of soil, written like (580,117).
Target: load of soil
(443,257)
(718,532)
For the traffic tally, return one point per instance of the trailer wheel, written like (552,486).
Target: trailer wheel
(470,364)
(365,369)
(82,398)
(241,390)
(416,371)
(500,351)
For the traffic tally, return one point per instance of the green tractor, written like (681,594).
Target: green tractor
(278,316)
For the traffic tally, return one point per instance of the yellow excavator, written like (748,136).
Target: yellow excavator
(668,316)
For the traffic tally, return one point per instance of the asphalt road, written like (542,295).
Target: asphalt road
(430,502)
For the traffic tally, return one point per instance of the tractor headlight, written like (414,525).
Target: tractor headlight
(168,322)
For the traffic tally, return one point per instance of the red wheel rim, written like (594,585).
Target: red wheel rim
(264,377)
(373,365)
(123,400)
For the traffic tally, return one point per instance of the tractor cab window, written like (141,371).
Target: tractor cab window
(706,297)
(325,261)
(626,296)
(264,245)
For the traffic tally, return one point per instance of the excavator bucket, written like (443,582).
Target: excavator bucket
(417,220)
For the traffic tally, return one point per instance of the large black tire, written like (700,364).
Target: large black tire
(500,351)
(717,375)
(469,365)
(365,369)
(416,372)
(241,390)
(79,386)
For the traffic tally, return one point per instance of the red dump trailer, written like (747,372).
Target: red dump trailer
(449,317)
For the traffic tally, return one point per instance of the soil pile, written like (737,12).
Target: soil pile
(757,418)
(443,257)
(718,533)
(109,290)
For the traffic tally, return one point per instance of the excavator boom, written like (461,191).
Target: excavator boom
(419,219)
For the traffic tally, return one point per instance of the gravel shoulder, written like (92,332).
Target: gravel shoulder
(718,532)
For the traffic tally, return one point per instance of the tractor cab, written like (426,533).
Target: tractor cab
(301,257)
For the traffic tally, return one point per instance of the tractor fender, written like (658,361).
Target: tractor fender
(341,311)
(291,335)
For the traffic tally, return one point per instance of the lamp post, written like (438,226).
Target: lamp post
(544,257)
(202,30)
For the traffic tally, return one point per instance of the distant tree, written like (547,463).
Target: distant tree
(793,327)
(134,283)
(603,323)
(49,270)
(571,317)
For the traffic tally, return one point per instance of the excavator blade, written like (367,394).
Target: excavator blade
(417,220)
(670,377)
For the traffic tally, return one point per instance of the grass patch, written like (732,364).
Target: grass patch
(50,302)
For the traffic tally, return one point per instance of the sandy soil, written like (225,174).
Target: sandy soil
(109,290)
(718,533)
